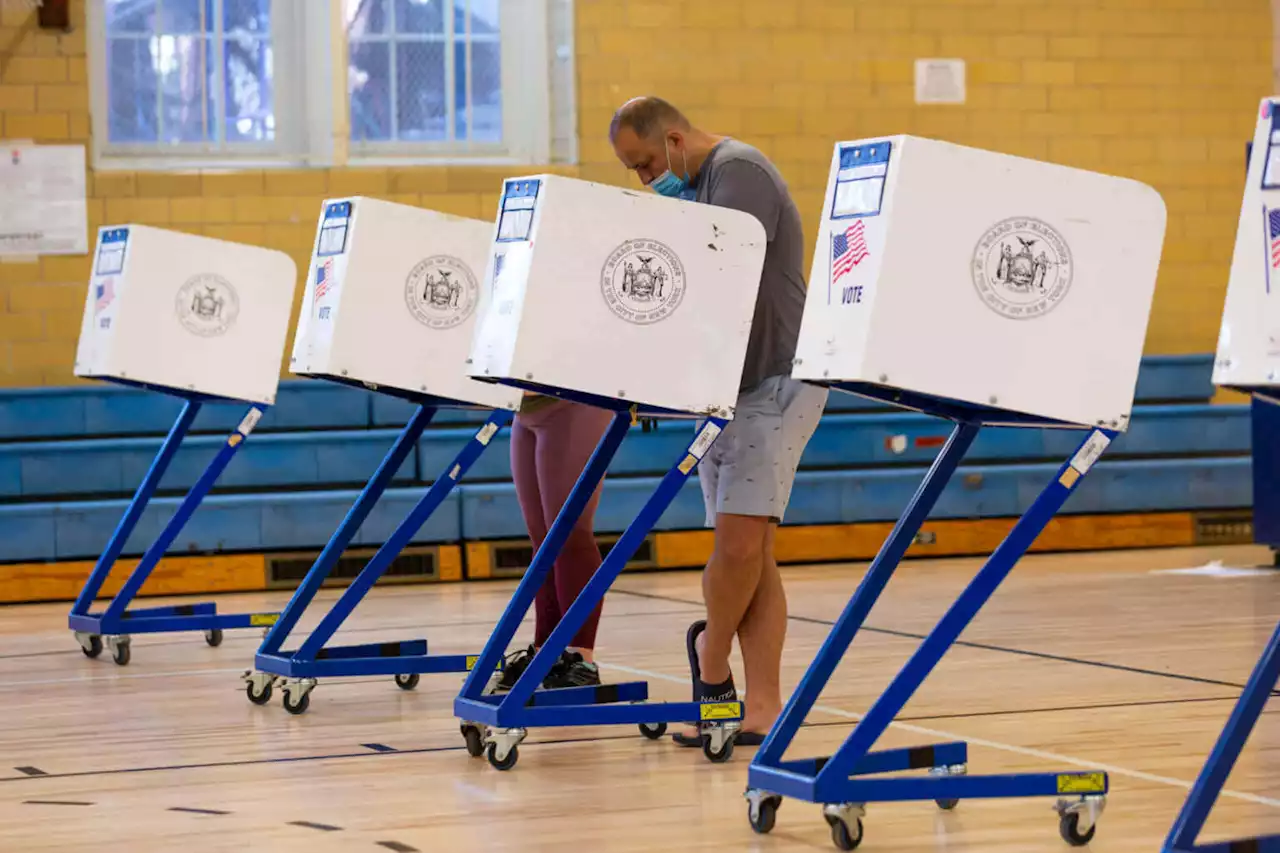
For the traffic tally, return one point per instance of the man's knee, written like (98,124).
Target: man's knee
(741,539)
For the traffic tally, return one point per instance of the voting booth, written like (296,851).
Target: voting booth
(218,312)
(390,304)
(988,290)
(982,278)
(199,319)
(391,301)
(619,295)
(632,302)
(1248,360)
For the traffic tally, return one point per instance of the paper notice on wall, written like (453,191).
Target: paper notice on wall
(42,200)
(940,81)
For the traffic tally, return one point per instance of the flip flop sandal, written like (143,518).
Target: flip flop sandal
(691,647)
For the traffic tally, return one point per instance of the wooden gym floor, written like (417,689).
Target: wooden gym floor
(1082,661)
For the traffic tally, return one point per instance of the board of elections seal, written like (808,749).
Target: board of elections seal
(1022,268)
(207,305)
(642,281)
(441,292)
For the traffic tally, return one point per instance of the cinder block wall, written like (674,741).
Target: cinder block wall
(1164,91)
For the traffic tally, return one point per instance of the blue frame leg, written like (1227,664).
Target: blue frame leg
(405,660)
(1199,802)
(830,781)
(509,717)
(91,629)
(346,531)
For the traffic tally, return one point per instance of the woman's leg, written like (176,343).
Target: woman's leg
(524,471)
(566,441)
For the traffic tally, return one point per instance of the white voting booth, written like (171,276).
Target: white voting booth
(988,290)
(619,294)
(194,318)
(186,312)
(1249,339)
(984,278)
(391,300)
(629,301)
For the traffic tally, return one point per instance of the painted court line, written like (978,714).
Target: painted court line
(991,744)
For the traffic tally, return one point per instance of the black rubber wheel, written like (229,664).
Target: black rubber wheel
(507,763)
(95,647)
(475,741)
(258,698)
(213,637)
(947,805)
(121,655)
(653,731)
(408,682)
(717,757)
(840,835)
(299,706)
(1069,829)
(763,819)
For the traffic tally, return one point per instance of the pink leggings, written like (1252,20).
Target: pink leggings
(549,448)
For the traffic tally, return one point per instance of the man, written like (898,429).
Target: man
(747,476)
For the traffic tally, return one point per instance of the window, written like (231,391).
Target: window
(182,83)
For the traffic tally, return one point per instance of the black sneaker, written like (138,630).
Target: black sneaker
(513,667)
(572,671)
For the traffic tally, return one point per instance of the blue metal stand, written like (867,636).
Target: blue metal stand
(499,723)
(1199,802)
(117,622)
(296,672)
(830,780)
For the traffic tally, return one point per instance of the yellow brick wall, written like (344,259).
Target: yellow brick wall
(1163,91)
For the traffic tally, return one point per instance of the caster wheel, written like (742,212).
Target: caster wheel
(507,763)
(842,837)
(121,654)
(653,731)
(947,805)
(475,741)
(1069,829)
(297,706)
(763,818)
(213,637)
(408,682)
(95,647)
(717,756)
(258,698)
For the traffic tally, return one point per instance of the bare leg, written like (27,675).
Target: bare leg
(728,586)
(761,635)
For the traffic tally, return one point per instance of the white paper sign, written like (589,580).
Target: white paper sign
(940,81)
(43,192)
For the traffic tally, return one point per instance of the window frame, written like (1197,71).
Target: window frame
(312,103)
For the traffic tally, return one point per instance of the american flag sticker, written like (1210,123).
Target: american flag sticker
(848,249)
(104,293)
(324,280)
(1273,242)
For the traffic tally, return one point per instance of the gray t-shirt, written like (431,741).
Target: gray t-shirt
(738,176)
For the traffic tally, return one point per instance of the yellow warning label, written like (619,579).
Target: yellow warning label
(471,662)
(1082,783)
(235,439)
(687,465)
(258,620)
(721,710)
(1069,477)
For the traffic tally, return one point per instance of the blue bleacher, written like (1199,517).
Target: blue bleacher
(71,457)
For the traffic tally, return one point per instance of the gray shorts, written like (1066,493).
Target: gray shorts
(752,465)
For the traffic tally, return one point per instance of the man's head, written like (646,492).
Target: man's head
(652,137)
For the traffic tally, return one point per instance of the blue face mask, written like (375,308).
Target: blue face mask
(668,184)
